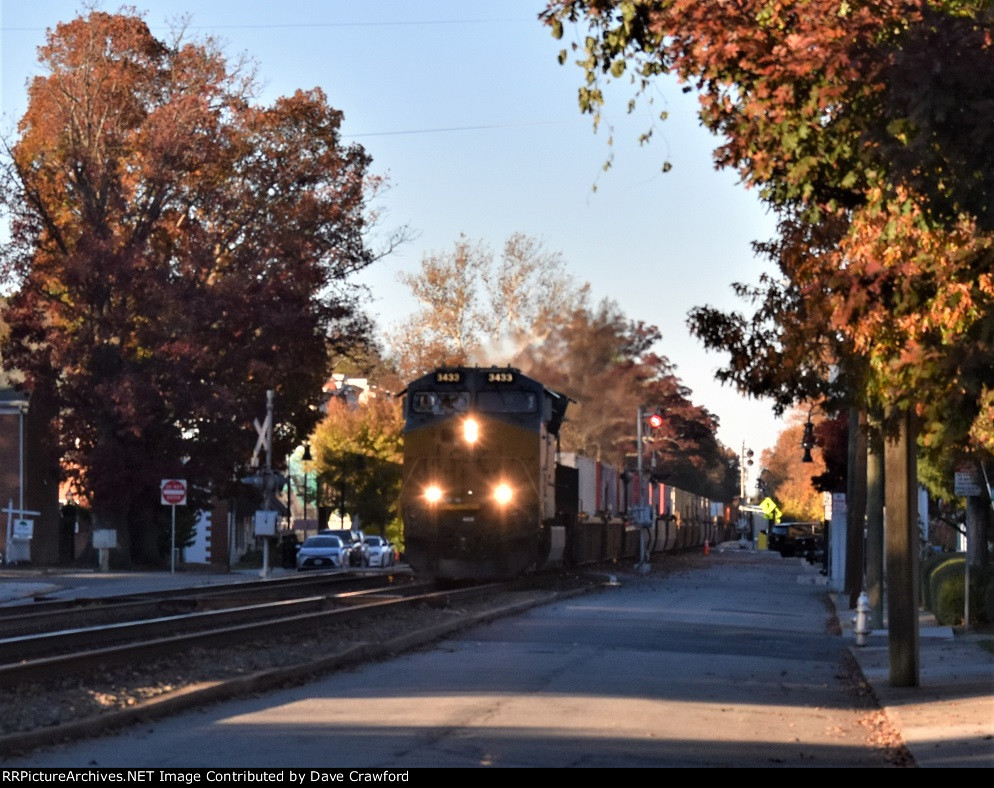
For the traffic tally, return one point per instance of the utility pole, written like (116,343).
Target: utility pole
(270,395)
(856,504)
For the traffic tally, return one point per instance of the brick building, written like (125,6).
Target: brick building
(31,530)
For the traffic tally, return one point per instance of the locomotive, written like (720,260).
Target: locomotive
(487,495)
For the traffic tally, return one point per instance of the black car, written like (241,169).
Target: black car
(778,540)
(797,539)
(353,539)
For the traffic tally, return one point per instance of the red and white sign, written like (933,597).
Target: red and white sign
(173,492)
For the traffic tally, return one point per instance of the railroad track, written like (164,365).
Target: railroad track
(63,697)
(51,615)
(41,656)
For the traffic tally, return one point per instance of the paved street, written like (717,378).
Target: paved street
(729,663)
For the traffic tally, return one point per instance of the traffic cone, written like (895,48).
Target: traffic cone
(707,548)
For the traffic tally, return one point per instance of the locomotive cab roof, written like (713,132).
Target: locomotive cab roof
(474,379)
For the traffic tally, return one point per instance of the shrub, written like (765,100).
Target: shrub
(928,565)
(952,565)
(948,590)
(951,597)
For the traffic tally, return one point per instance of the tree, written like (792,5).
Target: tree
(789,479)
(175,252)
(450,325)
(864,127)
(524,311)
(820,107)
(357,455)
(476,307)
(606,364)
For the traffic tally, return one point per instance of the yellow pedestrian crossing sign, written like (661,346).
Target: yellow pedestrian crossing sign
(770,509)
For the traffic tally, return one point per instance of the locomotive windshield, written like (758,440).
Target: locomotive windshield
(440,403)
(506,401)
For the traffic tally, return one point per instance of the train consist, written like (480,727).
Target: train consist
(487,494)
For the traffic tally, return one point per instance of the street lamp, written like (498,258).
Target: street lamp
(306,458)
(808,441)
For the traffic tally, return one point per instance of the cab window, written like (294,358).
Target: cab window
(506,401)
(440,402)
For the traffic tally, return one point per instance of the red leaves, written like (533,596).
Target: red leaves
(183,250)
(863,113)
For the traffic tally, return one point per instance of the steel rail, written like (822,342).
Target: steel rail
(285,618)
(95,611)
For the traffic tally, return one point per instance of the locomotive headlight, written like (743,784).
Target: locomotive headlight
(433,493)
(503,494)
(470,431)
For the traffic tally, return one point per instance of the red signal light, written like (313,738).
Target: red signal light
(655,421)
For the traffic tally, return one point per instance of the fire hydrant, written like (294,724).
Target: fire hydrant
(861,627)
(707,547)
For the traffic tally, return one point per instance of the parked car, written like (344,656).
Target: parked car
(777,539)
(797,539)
(352,538)
(324,551)
(379,551)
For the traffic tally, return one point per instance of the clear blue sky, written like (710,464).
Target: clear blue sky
(466,109)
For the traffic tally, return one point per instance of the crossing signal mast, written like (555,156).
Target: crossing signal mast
(267,480)
(643,512)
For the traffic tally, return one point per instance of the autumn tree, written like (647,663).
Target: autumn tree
(523,310)
(790,480)
(867,117)
(606,364)
(475,308)
(357,457)
(865,127)
(176,251)
(450,323)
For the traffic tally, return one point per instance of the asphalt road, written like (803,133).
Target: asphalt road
(734,662)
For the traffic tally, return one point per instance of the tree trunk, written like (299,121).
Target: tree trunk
(856,505)
(901,499)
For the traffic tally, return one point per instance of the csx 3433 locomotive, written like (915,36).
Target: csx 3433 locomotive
(479,492)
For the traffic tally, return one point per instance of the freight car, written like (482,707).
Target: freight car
(487,495)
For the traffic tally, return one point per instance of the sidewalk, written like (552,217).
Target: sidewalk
(947,721)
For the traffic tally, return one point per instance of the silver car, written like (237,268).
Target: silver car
(322,552)
(379,552)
